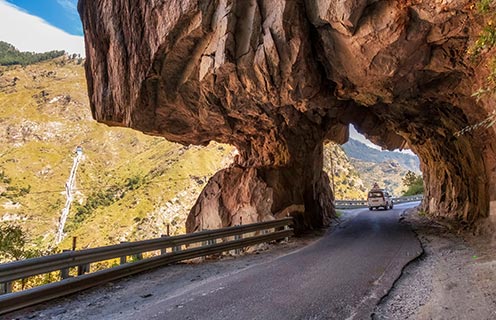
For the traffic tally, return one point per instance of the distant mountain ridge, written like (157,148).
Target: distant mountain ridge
(360,151)
(9,55)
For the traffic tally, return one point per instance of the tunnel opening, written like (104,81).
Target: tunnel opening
(453,166)
(355,166)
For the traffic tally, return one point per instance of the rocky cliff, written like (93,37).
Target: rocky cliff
(277,78)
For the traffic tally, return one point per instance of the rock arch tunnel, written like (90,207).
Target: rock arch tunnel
(278,78)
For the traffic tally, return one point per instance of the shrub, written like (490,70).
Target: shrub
(414,184)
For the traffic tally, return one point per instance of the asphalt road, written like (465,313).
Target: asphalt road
(341,276)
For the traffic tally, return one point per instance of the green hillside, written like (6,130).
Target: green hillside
(129,186)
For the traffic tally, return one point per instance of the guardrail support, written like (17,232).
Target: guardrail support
(5,288)
(207,242)
(64,273)
(123,259)
(239,236)
(83,268)
(164,250)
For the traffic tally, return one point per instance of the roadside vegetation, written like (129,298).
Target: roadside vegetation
(414,184)
(14,243)
(482,54)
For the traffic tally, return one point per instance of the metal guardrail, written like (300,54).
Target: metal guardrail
(208,240)
(417,197)
(351,204)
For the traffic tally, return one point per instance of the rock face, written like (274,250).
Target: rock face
(277,78)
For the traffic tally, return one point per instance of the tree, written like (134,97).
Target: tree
(12,243)
(414,183)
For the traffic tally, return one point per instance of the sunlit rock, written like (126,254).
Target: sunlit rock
(278,78)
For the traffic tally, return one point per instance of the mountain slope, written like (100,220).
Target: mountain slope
(129,186)
(347,180)
(388,174)
(360,151)
(383,167)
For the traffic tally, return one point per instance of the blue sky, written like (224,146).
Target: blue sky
(42,25)
(61,14)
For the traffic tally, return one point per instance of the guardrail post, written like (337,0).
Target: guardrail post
(286,227)
(206,242)
(83,268)
(176,248)
(164,250)
(239,237)
(5,288)
(123,259)
(64,273)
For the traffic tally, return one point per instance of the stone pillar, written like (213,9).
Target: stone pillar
(456,185)
(300,188)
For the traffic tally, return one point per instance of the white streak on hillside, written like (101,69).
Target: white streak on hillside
(69,187)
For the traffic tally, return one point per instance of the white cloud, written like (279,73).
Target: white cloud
(355,135)
(30,33)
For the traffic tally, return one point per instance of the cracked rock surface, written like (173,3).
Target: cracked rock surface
(278,78)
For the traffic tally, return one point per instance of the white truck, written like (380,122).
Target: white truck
(379,198)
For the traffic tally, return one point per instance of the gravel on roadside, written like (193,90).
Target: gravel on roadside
(453,279)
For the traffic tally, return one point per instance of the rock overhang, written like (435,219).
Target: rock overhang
(277,78)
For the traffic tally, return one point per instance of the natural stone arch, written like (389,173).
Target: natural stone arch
(278,78)
(453,167)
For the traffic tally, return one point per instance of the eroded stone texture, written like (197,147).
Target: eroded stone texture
(277,78)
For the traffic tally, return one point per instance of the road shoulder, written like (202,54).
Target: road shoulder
(453,279)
